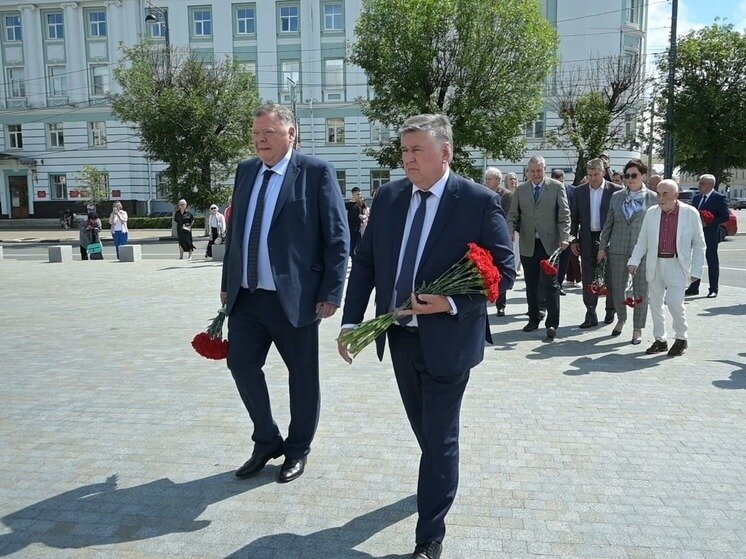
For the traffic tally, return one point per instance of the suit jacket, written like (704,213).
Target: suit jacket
(549,216)
(308,239)
(718,206)
(505,198)
(467,212)
(580,214)
(618,235)
(690,242)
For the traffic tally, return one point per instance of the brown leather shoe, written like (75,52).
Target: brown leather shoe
(657,347)
(677,348)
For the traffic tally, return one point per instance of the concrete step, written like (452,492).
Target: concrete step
(31,223)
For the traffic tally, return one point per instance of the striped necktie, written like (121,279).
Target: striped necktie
(252,272)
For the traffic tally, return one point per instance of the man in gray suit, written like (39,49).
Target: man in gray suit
(540,213)
(493,179)
(284,270)
(588,212)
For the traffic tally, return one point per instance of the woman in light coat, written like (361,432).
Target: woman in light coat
(216,223)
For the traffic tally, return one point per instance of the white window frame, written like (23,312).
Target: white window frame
(335,131)
(97,134)
(334,73)
(14,32)
(202,28)
(54,185)
(56,135)
(333,18)
(293,74)
(97,27)
(287,19)
(102,88)
(15,136)
(16,78)
(56,82)
(379,133)
(536,129)
(378,177)
(634,13)
(55,29)
(160,181)
(157,29)
(246,20)
(342,180)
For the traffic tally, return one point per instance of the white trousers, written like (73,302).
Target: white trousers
(516,253)
(668,287)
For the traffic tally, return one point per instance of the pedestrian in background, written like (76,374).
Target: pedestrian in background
(216,223)
(492,180)
(84,238)
(511,184)
(184,221)
(357,213)
(118,221)
(93,230)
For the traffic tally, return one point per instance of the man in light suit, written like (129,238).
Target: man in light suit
(493,179)
(588,212)
(712,201)
(540,213)
(284,270)
(418,228)
(673,244)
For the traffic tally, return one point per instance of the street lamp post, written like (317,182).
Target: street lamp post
(150,18)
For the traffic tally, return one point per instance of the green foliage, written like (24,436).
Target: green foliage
(92,185)
(481,62)
(709,101)
(193,115)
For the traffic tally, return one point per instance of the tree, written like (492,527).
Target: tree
(481,62)
(93,185)
(709,101)
(193,115)
(594,104)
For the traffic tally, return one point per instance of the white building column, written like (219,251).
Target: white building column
(266,56)
(77,69)
(115,31)
(35,73)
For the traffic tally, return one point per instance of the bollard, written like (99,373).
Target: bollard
(61,253)
(130,253)
(218,252)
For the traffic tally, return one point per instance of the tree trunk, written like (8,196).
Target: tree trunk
(580,168)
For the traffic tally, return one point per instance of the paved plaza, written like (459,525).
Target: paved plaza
(118,441)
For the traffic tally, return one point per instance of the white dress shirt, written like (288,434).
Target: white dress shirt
(264,268)
(596,196)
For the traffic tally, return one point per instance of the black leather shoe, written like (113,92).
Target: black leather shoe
(712,294)
(531,326)
(657,347)
(429,550)
(609,318)
(257,461)
(500,312)
(689,291)
(551,332)
(590,321)
(677,348)
(291,469)
(562,292)
(542,314)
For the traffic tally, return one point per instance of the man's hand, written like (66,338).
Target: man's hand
(575,248)
(563,245)
(601,256)
(428,304)
(342,348)
(632,270)
(223,298)
(325,310)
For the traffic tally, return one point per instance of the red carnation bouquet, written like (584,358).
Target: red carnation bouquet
(474,274)
(210,343)
(598,285)
(550,265)
(707,217)
(629,297)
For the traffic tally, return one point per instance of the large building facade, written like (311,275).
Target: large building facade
(57,61)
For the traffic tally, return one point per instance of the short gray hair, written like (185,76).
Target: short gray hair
(493,172)
(669,182)
(595,165)
(283,113)
(436,126)
(708,179)
(537,160)
(511,175)
(558,174)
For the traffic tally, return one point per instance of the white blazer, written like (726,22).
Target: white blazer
(690,242)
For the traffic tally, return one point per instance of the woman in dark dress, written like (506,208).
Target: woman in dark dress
(184,221)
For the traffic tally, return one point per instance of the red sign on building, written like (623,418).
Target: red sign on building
(41,193)
(73,194)
(116,193)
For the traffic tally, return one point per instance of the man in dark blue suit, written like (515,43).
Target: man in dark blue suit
(419,227)
(284,270)
(712,201)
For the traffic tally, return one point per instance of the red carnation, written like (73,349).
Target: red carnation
(630,302)
(210,344)
(482,260)
(707,216)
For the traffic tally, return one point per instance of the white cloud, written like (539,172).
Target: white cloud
(659,26)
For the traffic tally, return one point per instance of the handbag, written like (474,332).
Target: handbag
(218,241)
(94,248)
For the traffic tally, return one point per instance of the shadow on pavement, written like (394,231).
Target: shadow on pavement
(614,363)
(737,379)
(334,543)
(100,514)
(733,310)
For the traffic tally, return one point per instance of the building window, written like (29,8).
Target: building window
(98,134)
(333,18)
(290,71)
(13,28)
(342,180)
(250,67)
(289,19)
(16,83)
(202,23)
(56,135)
(99,79)
(97,24)
(58,186)
(245,21)
(335,131)
(157,29)
(535,129)
(15,136)
(635,12)
(57,81)
(379,133)
(55,26)
(334,73)
(378,179)
(161,186)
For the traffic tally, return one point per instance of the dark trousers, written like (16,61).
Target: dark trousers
(540,287)
(588,265)
(83,253)
(713,266)
(213,236)
(433,406)
(502,300)
(355,237)
(257,321)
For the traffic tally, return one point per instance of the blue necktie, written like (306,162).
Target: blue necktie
(405,281)
(537,191)
(252,272)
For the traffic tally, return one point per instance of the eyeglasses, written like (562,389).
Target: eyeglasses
(263,133)
(631,175)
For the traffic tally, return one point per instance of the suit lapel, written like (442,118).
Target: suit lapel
(605,201)
(291,174)
(445,208)
(242,202)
